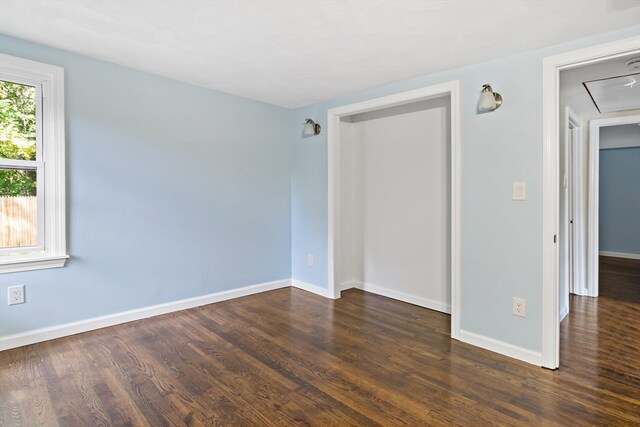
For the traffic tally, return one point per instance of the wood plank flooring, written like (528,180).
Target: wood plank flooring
(288,357)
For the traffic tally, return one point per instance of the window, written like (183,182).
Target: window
(32,172)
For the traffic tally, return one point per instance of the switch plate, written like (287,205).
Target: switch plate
(310,259)
(519,191)
(15,295)
(519,307)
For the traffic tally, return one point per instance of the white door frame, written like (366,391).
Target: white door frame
(551,67)
(593,254)
(579,212)
(576,158)
(452,89)
(572,138)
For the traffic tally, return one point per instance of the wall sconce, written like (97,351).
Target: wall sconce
(489,100)
(311,128)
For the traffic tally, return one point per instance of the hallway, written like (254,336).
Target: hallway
(600,338)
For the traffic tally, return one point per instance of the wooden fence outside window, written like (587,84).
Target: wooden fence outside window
(18,221)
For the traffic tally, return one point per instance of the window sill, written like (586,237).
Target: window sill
(33,262)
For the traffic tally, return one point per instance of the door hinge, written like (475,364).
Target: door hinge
(555,238)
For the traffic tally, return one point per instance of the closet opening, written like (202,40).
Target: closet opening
(394,198)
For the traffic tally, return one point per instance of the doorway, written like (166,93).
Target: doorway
(552,182)
(344,260)
(571,210)
(596,127)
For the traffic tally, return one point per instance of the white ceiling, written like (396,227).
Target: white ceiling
(573,93)
(293,53)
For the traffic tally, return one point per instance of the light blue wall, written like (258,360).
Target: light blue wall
(230,194)
(174,191)
(619,226)
(501,239)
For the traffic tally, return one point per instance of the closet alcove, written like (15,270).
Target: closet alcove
(395,202)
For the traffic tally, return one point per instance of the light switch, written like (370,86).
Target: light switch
(519,191)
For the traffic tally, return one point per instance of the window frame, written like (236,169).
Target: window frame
(51,250)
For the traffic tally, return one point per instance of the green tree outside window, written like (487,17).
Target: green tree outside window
(17,137)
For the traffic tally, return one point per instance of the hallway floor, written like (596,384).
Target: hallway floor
(600,338)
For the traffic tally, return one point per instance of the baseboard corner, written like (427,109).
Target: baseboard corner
(351,284)
(309,287)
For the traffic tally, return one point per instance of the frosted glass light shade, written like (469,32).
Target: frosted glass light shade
(308,129)
(487,101)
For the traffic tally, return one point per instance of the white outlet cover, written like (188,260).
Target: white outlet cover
(519,307)
(15,295)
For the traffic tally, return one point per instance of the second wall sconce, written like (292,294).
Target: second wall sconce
(311,128)
(489,100)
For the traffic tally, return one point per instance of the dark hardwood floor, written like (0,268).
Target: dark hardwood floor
(288,357)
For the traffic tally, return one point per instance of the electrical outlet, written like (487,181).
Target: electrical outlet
(15,295)
(519,307)
(310,259)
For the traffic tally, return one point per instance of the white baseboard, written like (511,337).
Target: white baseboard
(58,331)
(400,296)
(583,292)
(564,311)
(349,285)
(314,289)
(620,255)
(501,347)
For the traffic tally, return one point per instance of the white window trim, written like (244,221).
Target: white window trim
(53,156)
